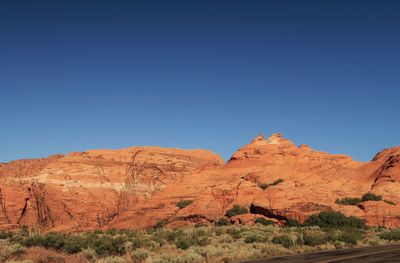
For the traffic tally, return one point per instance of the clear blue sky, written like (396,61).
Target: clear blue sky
(78,75)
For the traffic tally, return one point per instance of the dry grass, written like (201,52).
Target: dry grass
(206,244)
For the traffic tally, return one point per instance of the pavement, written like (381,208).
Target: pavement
(381,254)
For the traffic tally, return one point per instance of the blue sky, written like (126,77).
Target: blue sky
(77,75)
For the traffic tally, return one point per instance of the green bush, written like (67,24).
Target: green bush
(236,210)
(265,185)
(252,238)
(315,238)
(371,197)
(223,221)
(351,236)
(292,223)
(107,245)
(278,181)
(334,219)
(183,243)
(286,241)
(348,201)
(263,221)
(74,245)
(234,232)
(389,202)
(6,234)
(184,203)
(392,235)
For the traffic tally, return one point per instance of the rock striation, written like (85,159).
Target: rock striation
(141,186)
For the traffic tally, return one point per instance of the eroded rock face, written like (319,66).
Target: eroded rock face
(141,186)
(297,182)
(90,189)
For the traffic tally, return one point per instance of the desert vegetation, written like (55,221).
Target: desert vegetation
(236,210)
(222,242)
(183,203)
(265,185)
(366,197)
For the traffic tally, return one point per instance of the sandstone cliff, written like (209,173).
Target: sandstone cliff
(141,186)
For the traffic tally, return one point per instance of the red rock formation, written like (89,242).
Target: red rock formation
(140,186)
(89,189)
(312,181)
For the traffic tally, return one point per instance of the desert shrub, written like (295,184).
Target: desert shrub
(74,244)
(287,241)
(31,241)
(315,238)
(389,202)
(137,242)
(202,241)
(173,235)
(140,255)
(264,221)
(345,236)
(265,185)
(270,250)
(253,237)
(51,240)
(158,237)
(200,237)
(223,221)
(183,242)
(189,257)
(351,236)
(371,197)
(10,250)
(106,245)
(276,182)
(6,234)
(24,231)
(334,219)
(292,223)
(111,232)
(218,231)
(160,224)
(197,225)
(348,201)
(184,203)
(89,254)
(236,210)
(112,259)
(234,232)
(51,258)
(392,235)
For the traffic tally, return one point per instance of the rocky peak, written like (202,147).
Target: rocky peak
(275,139)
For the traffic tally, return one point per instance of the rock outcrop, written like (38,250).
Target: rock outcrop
(141,186)
(89,189)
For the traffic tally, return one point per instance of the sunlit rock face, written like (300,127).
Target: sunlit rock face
(90,189)
(141,186)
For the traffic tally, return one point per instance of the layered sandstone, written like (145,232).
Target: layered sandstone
(312,181)
(141,186)
(89,189)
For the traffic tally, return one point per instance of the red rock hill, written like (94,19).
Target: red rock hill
(140,186)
